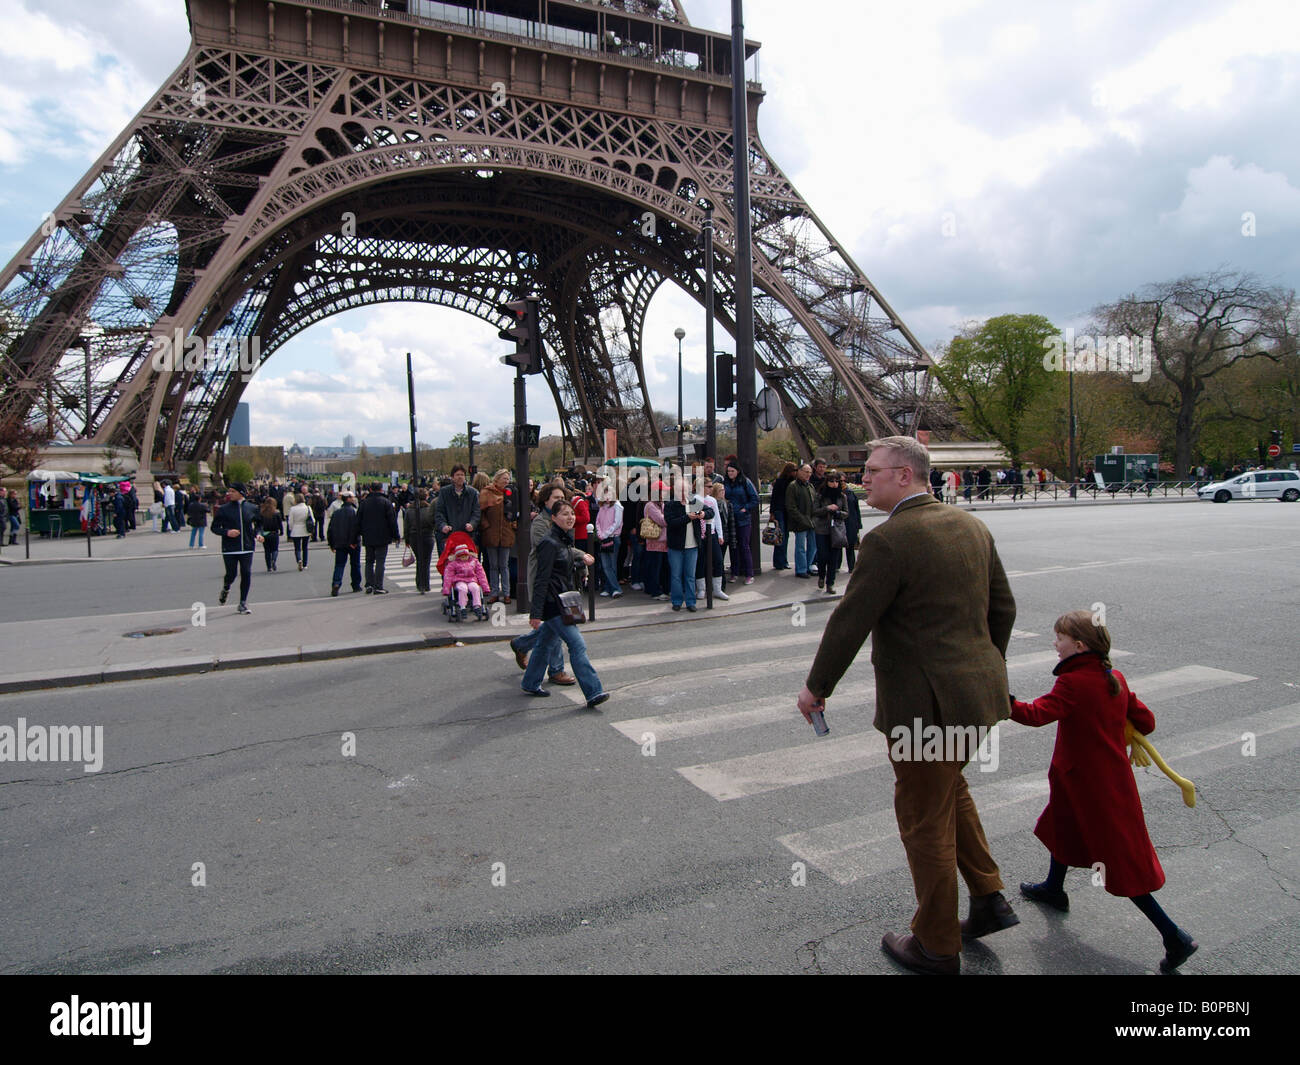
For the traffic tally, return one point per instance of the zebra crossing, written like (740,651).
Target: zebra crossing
(867,845)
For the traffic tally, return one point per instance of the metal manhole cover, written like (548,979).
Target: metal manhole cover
(150,632)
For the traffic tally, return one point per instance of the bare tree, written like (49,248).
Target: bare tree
(1198,328)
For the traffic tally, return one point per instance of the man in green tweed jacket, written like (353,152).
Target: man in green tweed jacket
(930,590)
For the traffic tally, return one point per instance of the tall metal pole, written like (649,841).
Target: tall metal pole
(746,427)
(415,458)
(710,388)
(1073,479)
(523,539)
(680,334)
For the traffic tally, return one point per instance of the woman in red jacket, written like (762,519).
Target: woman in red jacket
(1094,816)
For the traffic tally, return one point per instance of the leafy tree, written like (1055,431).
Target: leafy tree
(995,373)
(238,470)
(1199,329)
(20,445)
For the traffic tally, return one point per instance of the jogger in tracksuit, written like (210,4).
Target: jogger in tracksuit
(237,522)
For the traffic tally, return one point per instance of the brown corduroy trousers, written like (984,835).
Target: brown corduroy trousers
(942,834)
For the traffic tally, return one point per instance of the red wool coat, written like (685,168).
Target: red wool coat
(1094,813)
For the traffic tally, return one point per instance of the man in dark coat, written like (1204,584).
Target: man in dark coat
(345,541)
(378,529)
(931,592)
(238,523)
(457,508)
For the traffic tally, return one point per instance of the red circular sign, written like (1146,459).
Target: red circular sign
(1274,450)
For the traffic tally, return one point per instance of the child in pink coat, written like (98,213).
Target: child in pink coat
(465,576)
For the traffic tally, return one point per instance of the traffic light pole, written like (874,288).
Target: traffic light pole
(710,392)
(415,458)
(523,535)
(746,427)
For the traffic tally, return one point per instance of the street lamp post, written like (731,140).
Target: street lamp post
(680,334)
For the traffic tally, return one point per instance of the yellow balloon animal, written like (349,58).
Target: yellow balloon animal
(1139,750)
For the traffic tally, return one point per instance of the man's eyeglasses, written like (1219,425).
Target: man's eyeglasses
(873,470)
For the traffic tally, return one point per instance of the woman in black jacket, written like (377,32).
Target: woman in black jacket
(780,559)
(556,560)
(829,506)
(272,527)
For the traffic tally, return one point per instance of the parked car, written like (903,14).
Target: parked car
(1283,485)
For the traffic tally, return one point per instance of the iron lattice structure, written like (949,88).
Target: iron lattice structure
(310,156)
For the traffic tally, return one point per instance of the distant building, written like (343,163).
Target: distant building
(349,442)
(240,434)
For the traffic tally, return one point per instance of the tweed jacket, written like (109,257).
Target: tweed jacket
(929,589)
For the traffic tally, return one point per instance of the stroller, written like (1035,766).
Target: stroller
(451,610)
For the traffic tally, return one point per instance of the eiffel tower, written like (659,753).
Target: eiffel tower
(311,156)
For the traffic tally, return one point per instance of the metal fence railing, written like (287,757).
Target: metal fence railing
(1060,491)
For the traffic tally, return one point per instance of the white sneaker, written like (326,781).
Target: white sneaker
(721,595)
(664,598)
(606,594)
(637,587)
(617,595)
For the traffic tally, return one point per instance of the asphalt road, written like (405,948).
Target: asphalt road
(477,830)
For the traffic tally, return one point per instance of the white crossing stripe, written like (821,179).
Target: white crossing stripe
(704,720)
(1184,681)
(675,656)
(868,845)
(708,720)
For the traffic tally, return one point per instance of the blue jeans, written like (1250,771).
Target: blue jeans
(609,568)
(804,551)
(549,636)
(780,555)
(681,568)
(342,556)
(197,530)
(554,656)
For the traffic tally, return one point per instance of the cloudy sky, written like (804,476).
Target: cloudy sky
(975,157)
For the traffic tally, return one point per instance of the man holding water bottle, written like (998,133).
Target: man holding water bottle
(930,590)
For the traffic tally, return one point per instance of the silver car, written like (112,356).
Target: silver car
(1283,485)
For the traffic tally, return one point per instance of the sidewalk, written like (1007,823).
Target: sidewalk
(208,637)
(144,543)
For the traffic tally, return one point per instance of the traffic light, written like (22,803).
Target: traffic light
(725,375)
(524,329)
(1275,437)
(471,438)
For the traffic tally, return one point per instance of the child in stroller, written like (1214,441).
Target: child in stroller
(463,575)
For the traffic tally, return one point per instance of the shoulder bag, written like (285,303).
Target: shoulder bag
(571,612)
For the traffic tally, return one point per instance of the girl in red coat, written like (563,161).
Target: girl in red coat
(1094,814)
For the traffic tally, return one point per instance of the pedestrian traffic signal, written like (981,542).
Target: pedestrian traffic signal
(525,330)
(725,375)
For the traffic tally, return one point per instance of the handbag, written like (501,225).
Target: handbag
(772,534)
(408,556)
(839,535)
(311,525)
(571,612)
(649,530)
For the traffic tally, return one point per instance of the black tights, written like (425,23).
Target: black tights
(1146,903)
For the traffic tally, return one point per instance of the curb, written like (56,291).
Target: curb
(17,683)
(171,667)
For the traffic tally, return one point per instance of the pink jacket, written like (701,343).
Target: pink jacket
(655,513)
(470,571)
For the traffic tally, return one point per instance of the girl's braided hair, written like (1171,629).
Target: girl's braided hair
(1082,625)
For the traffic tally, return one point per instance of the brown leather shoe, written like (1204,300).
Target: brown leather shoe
(521,657)
(563,678)
(908,952)
(988,914)
(506,599)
